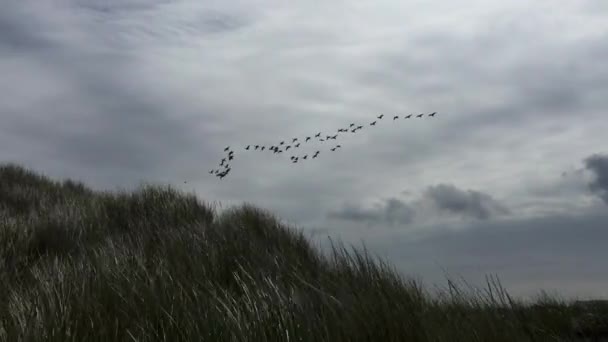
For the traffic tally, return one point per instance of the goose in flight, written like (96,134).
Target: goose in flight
(321,139)
(294,140)
(419,116)
(433,114)
(298,145)
(333,149)
(318,135)
(373,123)
(227,148)
(381,116)
(307,138)
(262,148)
(395,117)
(351,125)
(257,146)
(247,148)
(230,157)
(335,136)
(281,143)
(305,156)
(211,172)
(287,147)
(359,127)
(409,116)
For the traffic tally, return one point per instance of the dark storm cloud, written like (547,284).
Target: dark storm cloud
(444,198)
(351,212)
(465,202)
(598,165)
(392,211)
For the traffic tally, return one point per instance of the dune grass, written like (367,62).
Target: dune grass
(156,264)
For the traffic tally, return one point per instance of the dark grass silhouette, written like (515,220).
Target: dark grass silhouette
(158,265)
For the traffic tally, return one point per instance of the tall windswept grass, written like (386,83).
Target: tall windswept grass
(155,264)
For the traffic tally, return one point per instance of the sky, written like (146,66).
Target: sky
(510,178)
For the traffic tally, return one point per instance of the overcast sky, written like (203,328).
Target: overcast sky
(509,178)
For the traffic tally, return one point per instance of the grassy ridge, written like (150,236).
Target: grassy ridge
(158,265)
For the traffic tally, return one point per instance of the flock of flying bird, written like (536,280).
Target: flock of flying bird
(283,146)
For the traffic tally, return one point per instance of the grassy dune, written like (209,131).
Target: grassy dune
(156,264)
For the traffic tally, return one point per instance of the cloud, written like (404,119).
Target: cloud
(465,202)
(438,199)
(598,165)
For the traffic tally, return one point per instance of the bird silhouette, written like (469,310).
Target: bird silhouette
(257,146)
(354,130)
(307,138)
(419,116)
(327,137)
(211,172)
(321,139)
(381,116)
(433,114)
(305,156)
(409,116)
(373,123)
(281,143)
(395,117)
(318,135)
(335,136)
(298,145)
(287,147)
(359,127)
(247,148)
(227,148)
(230,157)
(351,125)
(294,140)
(333,149)
(262,148)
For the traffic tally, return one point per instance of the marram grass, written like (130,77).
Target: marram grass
(159,265)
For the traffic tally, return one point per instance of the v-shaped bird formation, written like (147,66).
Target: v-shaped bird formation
(284,146)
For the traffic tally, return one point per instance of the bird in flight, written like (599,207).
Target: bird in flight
(409,116)
(307,138)
(294,140)
(419,116)
(318,135)
(352,124)
(298,145)
(257,146)
(247,148)
(433,114)
(381,116)
(281,143)
(227,148)
(395,117)
(373,123)
(262,148)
